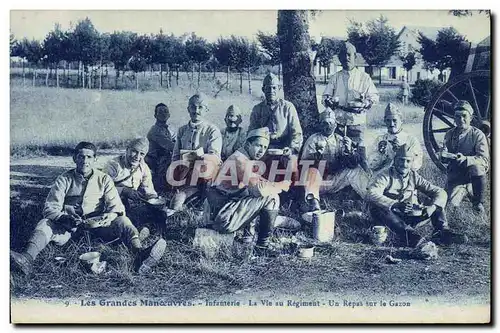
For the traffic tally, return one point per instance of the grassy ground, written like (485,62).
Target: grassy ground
(49,121)
(52,121)
(348,265)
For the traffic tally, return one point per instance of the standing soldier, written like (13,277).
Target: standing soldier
(237,201)
(282,120)
(467,154)
(233,136)
(393,195)
(342,163)
(197,140)
(382,152)
(77,195)
(351,93)
(405,90)
(161,145)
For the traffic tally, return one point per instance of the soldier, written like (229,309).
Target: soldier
(381,154)
(342,163)
(282,120)
(393,195)
(161,145)
(351,92)
(132,177)
(77,195)
(198,140)
(405,91)
(236,202)
(469,162)
(233,136)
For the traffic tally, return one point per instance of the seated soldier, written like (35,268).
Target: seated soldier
(233,136)
(198,140)
(342,164)
(469,162)
(381,154)
(393,197)
(283,122)
(237,198)
(161,145)
(132,177)
(77,195)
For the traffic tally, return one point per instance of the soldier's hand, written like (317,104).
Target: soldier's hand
(285,185)
(461,158)
(429,210)
(69,222)
(402,207)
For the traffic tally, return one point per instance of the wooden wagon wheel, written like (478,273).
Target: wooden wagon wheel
(473,87)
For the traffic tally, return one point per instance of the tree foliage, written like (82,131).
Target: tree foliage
(409,61)
(377,41)
(85,41)
(270,45)
(327,48)
(449,50)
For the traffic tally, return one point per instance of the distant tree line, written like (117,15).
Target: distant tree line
(92,54)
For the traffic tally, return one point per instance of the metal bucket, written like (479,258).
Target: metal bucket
(323,224)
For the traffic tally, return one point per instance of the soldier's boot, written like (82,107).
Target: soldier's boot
(21,262)
(147,258)
(264,247)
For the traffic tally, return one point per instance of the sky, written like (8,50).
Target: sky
(211,24)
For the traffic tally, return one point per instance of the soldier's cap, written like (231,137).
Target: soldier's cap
(327,115)
(140,144)
(234,110)
(405,151)
(392,110)
(200,98)
(262,132)
(270,80)
(463,106)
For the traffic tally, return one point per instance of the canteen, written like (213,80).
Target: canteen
(91,263)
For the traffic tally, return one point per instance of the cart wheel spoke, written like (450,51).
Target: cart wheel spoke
(442,116)
(474,98)
(441,130)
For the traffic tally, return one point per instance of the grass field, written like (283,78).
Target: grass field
(49,120)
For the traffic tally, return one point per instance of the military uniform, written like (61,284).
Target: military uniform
(161,144)
(390,187)
(233,205)
(341,169)
(203,136)
(469,176)
(382,152)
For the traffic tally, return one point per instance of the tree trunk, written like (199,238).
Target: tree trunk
(168,73)
(380,75)
(228,77)
(199,73)
(161,75)
(116,78)
(177,77)
(325,75)
(241,82)
(137,81)
(279,71)
(169,76)
(298,79)
(192,75)
(214,72)
(47,76)
(249,81)
(101,69)
(83,76)
(34,75)
(90,70)
(57,77)
(24,76)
